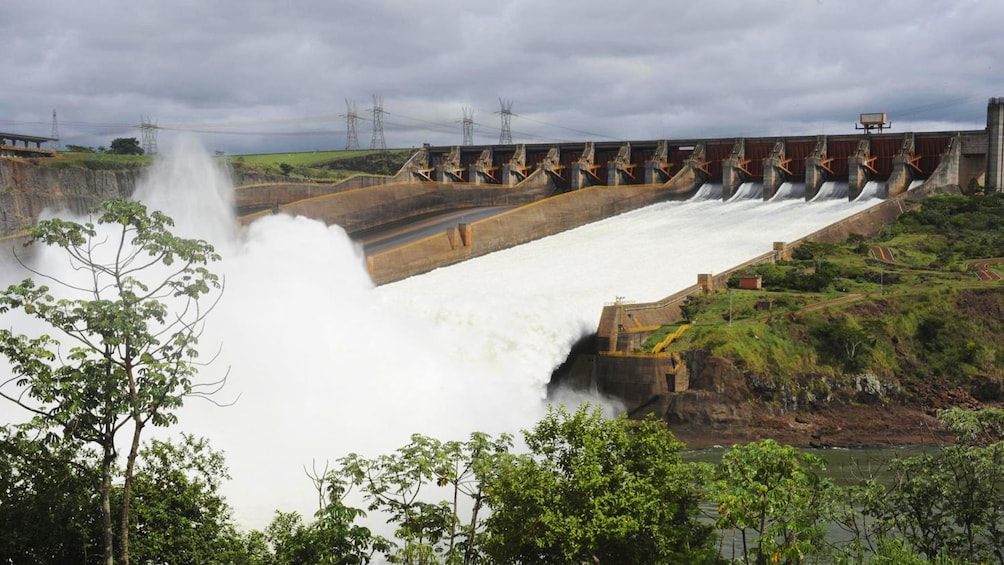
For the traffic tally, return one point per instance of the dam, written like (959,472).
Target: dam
(324,362)
(544,189)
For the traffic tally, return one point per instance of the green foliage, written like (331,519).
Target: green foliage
(133,322)
(595,490)
(326,164)
(843,343)
(331,539)
(46,507)
(398,485)
(179,515)
(125,146)
(285,168)
(773,492)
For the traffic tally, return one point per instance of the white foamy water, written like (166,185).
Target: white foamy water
(709,191)
(830,190)
(747,191)
(789,190)
(322,363)
(873,189)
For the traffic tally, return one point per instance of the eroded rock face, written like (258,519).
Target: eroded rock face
(27,189)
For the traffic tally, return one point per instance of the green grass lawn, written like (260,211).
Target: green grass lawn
(298,159)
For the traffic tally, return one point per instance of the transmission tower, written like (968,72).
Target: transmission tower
(468,125)
(149,130)
(505,138)
(351,117)
(55,130)
(378,141)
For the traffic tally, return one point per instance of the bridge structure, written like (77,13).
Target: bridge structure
(22,145)
(538,190)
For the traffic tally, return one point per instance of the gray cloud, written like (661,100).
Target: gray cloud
(650,69)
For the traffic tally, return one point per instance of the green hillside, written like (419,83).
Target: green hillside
(918,323)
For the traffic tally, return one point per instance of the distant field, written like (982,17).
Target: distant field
(309,165)
(299,159)
(94,161)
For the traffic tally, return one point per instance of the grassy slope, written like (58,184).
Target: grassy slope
(320,165)
(923,319)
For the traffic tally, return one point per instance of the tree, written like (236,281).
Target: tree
(596,490)
(133,321)
(395,484)
(773,492)
(332,539)
(46,501)
(178,514)
(285,168)
(950,501)
(125,146)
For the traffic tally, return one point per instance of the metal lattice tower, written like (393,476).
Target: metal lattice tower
(55,130)
(468,125)
(351,117)
(378,142)
(505,137)
(149,130)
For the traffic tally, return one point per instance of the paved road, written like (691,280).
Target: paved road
(883,254)
(394,236)
(982,269)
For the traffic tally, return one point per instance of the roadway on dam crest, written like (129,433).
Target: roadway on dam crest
(384,238)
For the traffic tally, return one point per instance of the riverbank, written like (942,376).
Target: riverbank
(846,427)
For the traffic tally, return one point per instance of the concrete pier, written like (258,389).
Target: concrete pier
(734,169)
(620,170)
(859,168)
(481,171)
(995,145)
(514,171)
(657,167)
(582,172)
(775,170)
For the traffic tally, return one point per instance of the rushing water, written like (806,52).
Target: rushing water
(322,363)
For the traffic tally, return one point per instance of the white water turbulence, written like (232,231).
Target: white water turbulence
(322,363)
(873,189)
(709,191)
(831,190)
(789,190)
(748,191)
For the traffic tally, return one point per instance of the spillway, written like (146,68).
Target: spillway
(322,363)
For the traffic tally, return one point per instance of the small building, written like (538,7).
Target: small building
(750,282)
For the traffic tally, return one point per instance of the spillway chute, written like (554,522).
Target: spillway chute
(748,191)
(789,191)
(873,189)
(831,190)
(708,191)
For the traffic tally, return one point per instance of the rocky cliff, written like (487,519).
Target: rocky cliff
(26,189)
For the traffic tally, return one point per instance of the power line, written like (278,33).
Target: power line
(589,133)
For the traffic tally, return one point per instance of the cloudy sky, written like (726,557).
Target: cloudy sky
(260,76)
